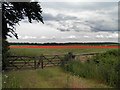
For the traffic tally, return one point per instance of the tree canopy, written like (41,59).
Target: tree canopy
(13,12)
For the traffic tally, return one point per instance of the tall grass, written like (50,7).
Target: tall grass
(49,77)
(103,67)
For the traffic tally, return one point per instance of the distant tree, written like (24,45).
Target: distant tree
(12,14)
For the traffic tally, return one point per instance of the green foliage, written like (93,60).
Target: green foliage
(67,58)
(13,12)
(5,53)
(103,67)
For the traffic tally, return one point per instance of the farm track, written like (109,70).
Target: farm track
(64,46)
(50,77)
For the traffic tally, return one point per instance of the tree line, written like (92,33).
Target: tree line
(70,43)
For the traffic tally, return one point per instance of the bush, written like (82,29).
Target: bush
(5,53)
(104,67)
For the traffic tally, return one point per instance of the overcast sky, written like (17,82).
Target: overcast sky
(72,22)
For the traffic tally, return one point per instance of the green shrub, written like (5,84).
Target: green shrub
(104,67)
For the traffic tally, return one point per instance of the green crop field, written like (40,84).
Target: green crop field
(39,51)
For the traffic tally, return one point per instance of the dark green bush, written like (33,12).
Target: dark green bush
(5,53)
(104,67)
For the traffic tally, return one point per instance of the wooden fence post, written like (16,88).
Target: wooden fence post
(35,63)
(41,61)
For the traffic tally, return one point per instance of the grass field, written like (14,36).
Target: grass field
(39,51)
(49,77)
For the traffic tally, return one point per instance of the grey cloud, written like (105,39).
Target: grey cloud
(47,17)
(99,26)
(79,6)
(63,30)
(105,18)
(86,26)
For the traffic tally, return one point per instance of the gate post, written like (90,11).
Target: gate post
(41,61)
(71,56)
(35,63)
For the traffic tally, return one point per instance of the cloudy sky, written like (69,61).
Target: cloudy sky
(72,22)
